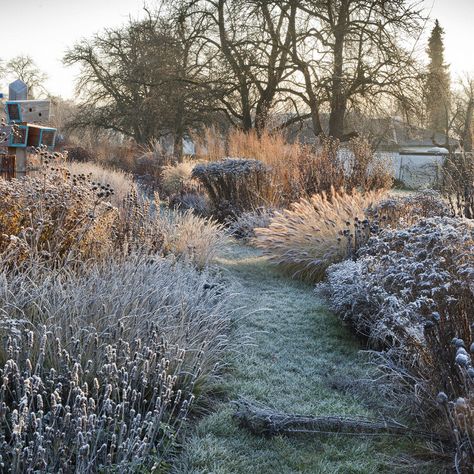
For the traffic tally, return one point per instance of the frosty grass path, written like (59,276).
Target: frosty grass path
(302,360)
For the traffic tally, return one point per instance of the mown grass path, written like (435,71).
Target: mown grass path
(302,361)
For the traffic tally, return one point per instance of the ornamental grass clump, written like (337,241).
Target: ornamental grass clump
(177,178)
(313,234)
(194,239)
(234,185)
(100,367)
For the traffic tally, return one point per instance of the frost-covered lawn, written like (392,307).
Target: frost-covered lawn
(302,361)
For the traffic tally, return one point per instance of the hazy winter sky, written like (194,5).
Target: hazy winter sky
(44,29)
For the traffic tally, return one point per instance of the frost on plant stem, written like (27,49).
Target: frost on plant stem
(105,363)
(411,294)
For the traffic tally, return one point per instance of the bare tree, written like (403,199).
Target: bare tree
(459,116)
(251,42)
(24,68)
(353,54)
(142,81)
(250,61)
(321,57)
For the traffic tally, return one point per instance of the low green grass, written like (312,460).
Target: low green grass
(300,361)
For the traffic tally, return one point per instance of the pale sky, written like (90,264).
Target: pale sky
(44,29)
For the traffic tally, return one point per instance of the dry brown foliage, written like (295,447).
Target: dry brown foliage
(299,170)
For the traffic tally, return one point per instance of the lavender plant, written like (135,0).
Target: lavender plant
(100,367)
(70,417)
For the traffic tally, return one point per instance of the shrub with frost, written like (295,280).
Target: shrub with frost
(244,226)
(406,278)
(407,210)
(411,293)
(234,185)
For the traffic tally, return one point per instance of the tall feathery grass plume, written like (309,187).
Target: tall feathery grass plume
(317,232)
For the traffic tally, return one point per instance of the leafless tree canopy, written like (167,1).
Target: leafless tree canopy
(24,68)
(258,63)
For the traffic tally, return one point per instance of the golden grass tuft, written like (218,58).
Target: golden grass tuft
(178,177)
(314,233)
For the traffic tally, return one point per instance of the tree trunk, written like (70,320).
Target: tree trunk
(265,422)
(338,97)
(178,147)
(247,123)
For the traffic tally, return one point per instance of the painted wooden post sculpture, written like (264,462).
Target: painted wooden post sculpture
(24,127)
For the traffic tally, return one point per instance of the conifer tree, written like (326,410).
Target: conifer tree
(438,83)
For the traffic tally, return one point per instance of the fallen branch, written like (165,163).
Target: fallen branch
(265,422)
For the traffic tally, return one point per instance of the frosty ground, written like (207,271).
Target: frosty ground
(300,360)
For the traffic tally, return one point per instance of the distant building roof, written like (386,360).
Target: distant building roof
(404,135)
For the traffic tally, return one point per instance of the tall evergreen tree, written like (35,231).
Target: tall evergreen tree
(438,83)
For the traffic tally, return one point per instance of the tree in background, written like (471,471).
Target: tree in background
(354,55)
(461,112)
(144,80)
(438,84)
(319,58)
(258,63)
(24,68)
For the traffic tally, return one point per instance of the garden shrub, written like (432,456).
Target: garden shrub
(182,190)
(62,217)
(411,294)
(458,183)
(59,217)
(313,234)
(79,154)
(244,226)
(351,166)
(234,185)
(196,202)
(407,210)
(100,367)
